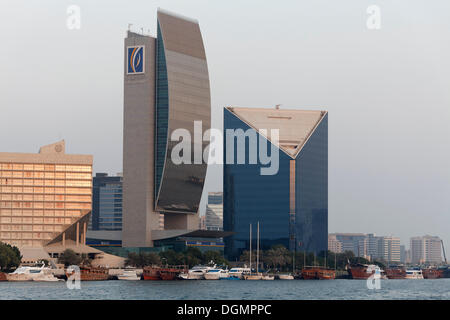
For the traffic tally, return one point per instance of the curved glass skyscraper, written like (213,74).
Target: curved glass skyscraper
(166,88)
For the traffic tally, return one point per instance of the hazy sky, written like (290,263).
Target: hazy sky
(387,90)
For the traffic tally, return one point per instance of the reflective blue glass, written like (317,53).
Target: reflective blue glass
(162,111)
(311,168)
(250,197)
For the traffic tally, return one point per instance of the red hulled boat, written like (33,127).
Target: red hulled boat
(363,271)
(163,273)
(318,273)
(432,273)
(395,272)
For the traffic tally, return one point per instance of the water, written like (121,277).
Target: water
(226,290)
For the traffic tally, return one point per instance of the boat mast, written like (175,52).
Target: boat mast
(250,248)
(257,249)
(335,260)
(443,250)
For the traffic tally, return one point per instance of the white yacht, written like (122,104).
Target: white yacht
(285,277)
(196,273)
(129,274)
(237,273)
(216,274)
(34,273)
(46,275)
(414,274)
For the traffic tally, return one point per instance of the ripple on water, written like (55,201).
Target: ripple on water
(226,290)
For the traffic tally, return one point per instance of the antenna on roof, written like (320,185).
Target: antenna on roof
(129,26)
(142,30)
(278,106)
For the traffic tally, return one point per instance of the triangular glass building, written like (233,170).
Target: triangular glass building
(291,205)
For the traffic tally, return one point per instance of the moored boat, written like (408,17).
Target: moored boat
(253,276)
(445,271)
(364,271)
(309,273)
(414,273)
(196,273)
(326,274)
(171,272)
(26,273)
(216,274)
(90,274)
(285,277)
(162,273)
(267,277)
(395,272)
(432,273)
(128,274)
(318,273)
(237,273)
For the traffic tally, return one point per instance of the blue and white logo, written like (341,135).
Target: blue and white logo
(135,63)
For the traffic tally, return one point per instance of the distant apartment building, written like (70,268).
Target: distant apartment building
(334,245)
(106,203)
(389,249)
(214,212)
(426,249)
(368,246)
(354,242)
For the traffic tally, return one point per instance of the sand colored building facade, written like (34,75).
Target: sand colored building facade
(45,198)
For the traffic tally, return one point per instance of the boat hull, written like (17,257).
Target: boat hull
(318,273)
(91,274)
(252,277)
(209,276)
(285,277)
(18,277)
(432,274)
(395,273)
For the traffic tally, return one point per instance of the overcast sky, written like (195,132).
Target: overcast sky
(386,90)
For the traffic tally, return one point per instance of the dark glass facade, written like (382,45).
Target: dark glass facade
(162,111)
(311,215)
(250,198)
(106,203)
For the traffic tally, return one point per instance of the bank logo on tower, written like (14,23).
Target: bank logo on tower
(135,59)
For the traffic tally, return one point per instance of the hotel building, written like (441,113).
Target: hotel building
(291,205)
(45,198)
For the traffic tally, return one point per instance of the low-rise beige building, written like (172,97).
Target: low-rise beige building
(45,198)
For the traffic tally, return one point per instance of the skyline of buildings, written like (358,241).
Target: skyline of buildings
(423,249)
(166,86)
(368,246)
(291,205)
